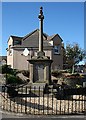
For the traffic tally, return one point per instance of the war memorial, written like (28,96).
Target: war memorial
(35,98)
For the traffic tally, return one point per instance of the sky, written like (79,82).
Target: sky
(63,18)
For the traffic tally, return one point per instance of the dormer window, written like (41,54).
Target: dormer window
(57,49)
(17,42)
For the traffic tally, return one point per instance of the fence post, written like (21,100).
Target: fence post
(34,100)
(30,99)
(85,103)
(17,100)
(43,100)
(21,97)
(47,103)
(39,102)
(68,105)
(52,100)
(72,105)
(26,100)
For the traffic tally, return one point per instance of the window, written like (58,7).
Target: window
(17,42)
(57,49)
(10,50)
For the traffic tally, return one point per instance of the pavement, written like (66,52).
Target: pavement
(48,118)
(15,116)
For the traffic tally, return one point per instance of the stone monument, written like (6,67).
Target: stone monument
(40,65)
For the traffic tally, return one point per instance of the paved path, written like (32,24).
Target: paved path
(14,116)
(27,117)
(57,118)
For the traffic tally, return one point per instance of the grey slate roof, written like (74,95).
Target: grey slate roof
(30,34)
(32,39)
(16,38)
(53,36)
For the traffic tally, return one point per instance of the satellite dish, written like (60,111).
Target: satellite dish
(26,52)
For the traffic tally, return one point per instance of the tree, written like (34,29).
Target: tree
(74,54)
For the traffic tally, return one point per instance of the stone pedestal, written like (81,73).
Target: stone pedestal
(40,70)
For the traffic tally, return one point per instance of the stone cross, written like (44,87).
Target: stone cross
(41,17)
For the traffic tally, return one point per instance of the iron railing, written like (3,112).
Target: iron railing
(32,100)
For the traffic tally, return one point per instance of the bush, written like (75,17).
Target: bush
(11,79)
(56,73)
(75,75)
(11,74)
(5,69)
(73,80)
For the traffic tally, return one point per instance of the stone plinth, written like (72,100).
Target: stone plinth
(40,70)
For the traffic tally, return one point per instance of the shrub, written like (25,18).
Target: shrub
(11,79)
(73,80)
(11,74)
(75,75)
(6,69)
(56,73)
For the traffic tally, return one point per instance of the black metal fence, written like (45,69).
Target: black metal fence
(32,100)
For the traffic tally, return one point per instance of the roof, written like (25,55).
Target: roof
(53,36)
(32,39)
(3,58)
(16,38)
(30,34)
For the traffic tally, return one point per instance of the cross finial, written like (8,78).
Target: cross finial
(41,16)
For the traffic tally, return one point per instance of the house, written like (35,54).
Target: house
(3,60)
(20,49)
